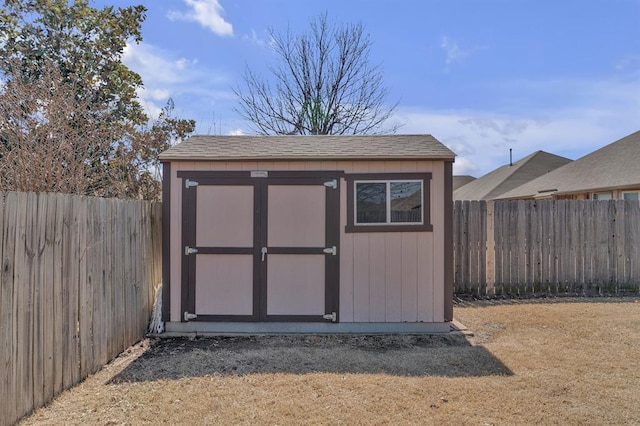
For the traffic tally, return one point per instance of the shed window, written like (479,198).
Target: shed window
(630,195)
(388,202)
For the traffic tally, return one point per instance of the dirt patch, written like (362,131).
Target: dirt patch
(295,354)
(571,362)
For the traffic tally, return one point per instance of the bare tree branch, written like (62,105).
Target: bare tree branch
(323,84)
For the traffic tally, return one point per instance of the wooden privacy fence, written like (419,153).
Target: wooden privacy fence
(75,290)
(548,246)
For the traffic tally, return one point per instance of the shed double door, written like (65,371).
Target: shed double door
(260,248)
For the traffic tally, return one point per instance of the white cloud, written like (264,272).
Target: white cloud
(454,53)
(207,13)
(629,62)
(150,104)
(452,50)
(156,94)
(253,38)
(165,75)
(183,63)
(596,114)
(200,93)
(160,74)
(237,132)
(155,65)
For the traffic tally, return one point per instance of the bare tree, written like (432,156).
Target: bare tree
(46,136)
(53,138)
(324,84)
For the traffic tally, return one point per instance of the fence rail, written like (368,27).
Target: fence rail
(549,246)
(75,290)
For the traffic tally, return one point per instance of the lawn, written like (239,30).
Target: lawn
(557,361)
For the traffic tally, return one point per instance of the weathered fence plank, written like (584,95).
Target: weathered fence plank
(46,223)
(490,249)
(76,289)
(499,224)
(40,302)
(75,242)
(548,246)
(56,208)
(85,302)
(7,320)
(23,307)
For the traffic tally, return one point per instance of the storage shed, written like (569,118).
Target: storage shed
(308,234)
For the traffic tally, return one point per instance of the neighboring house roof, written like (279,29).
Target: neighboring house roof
(461,180)
(508,177)
(423,147)
(615,166)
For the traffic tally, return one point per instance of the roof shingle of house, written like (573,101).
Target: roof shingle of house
(507,177)
(229,148)
(614,166)
(461,180)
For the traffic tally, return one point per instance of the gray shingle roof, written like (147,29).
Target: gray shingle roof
(364,147)
(461,180)
(616,165)
(507,177)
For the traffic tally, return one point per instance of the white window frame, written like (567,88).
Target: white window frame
(633,191)
(594,195)
(387,201)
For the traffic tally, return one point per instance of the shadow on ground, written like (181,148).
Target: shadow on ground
(399,355)
(470,300)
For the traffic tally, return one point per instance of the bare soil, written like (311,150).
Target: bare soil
(553,361)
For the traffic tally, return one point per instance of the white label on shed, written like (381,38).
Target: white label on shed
(259,174)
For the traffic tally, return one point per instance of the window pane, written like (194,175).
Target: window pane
(602,196)
(406,202)
(630,195)
(371,202)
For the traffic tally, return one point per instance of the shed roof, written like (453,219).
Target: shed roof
(614,166)
(509,176)
(331,147)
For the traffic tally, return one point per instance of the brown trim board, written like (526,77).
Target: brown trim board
(166,242)
(225,318)
(288,174)
(261,223)
(257,262)
(295,318)
(332,263)
(189,220)
(448,241)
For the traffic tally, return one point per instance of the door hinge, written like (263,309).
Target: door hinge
(188,316)
(190,250)
(333,183)
(331,250)
(190,183)
(330,317)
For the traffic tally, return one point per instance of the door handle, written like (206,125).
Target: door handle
(263,251)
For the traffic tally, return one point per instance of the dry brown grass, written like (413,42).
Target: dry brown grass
(573,362)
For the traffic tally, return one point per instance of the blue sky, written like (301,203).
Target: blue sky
(481,76)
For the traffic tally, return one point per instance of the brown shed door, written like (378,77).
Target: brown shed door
(260,249)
